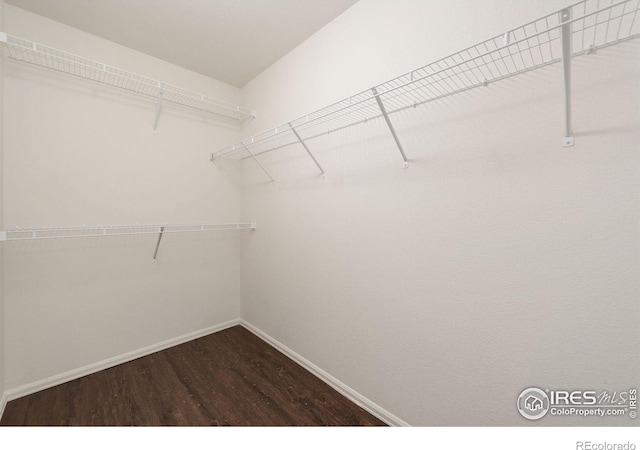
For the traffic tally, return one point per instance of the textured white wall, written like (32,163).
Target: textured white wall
(2,323)
(78,153)
(499,260)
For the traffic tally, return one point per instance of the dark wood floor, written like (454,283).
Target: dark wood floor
(227,378)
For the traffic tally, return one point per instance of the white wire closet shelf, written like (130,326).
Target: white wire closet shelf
(43,56)
(575,30)
(25,234)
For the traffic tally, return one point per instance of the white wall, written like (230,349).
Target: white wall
(78,153)
(499,260)
(2,323)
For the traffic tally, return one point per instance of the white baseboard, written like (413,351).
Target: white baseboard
(3,403)
(336,384)
(55,380)
(339,386)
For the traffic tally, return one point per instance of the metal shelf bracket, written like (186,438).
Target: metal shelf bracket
(565,37)
(158,107)
(307,149)
(383,110)
(259,163)
(155,254)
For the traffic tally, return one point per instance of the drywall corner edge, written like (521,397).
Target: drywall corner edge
(351,394)
(55,380)
(3,403)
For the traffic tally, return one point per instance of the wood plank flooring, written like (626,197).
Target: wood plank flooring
(228,378)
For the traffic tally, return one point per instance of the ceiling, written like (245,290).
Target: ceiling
(229,40)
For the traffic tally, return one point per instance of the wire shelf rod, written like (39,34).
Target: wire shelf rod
(528,47)
(394,111)
(271,135)
(23,234)
(60,61)
(418,104)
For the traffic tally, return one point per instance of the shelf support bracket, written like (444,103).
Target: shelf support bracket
(158,108)
(383,110)
(307,149)
(565,34)
(256,160)
(155,254)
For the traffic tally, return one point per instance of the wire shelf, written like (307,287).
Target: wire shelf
(43,56)
(23,234)
(594,24)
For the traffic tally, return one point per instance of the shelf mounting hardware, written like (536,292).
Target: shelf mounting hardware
(256,160)
(383,110)
(565,37)
(155,254)
(307,149)
(158,107)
